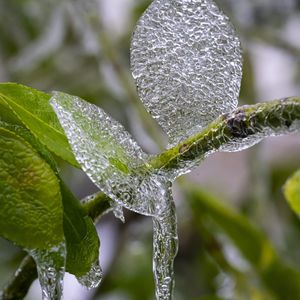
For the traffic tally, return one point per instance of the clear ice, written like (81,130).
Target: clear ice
(93,278)
(109,155)
(51,269)
(165,246)
(187,65)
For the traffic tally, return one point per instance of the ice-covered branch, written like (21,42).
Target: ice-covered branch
(235,131)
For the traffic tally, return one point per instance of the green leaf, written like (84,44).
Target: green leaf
(28,137)
(81,236)
(279,277)
(31,211)
(32,109)
(292,192)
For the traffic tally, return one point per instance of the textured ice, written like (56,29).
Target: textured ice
(93,278)
(51,269)
(187,65)
(109,155)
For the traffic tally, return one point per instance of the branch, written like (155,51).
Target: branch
(240,129)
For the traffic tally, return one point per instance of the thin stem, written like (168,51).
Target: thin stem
(20,283)
(165,246)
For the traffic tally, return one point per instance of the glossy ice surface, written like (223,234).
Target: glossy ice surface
(187,65)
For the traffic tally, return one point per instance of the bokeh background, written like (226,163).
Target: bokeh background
(56,45)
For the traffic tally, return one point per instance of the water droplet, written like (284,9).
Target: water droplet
(93,278)
(118,211)
(51,269)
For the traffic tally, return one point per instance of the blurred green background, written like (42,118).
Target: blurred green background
(238,237)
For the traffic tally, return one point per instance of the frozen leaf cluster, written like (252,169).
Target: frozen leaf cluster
(186,61)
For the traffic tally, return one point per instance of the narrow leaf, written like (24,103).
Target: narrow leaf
(81,236)
(278,276)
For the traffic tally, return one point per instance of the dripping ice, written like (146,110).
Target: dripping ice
(51,269)
(93,278)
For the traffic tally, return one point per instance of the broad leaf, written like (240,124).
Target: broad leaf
(25,134)
(32,109)
(80,234)
(31,211)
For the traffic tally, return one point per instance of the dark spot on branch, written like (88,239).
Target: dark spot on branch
(183,148)
(237,124)
(287,123)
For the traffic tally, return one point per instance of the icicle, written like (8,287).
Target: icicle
(51,269)
(93,278)
(118,211)
(165,245)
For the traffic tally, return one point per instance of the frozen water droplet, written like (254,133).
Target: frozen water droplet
(165,245)
(93,278)
(186,61)
(51,269)
(118,211)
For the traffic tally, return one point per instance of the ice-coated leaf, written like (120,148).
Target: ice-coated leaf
(30,199)
(109,155)
(24,105)
(186,62)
